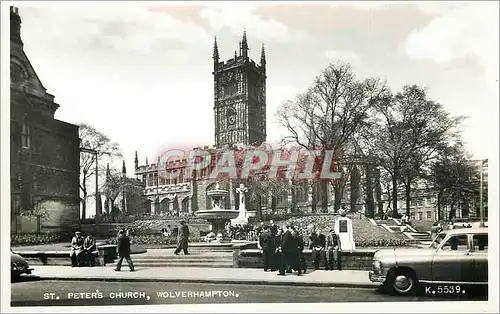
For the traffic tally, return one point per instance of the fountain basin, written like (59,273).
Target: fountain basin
(217,214)
(217,192)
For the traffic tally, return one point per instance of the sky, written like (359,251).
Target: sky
(142,72)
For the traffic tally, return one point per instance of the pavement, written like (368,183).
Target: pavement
(318,278)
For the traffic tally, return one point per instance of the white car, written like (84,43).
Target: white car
(455,258)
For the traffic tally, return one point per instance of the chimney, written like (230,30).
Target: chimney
(15,25)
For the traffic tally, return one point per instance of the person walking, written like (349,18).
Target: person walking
(266,242)
(123,249)
(182,239)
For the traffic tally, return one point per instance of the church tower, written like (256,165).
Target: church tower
(239,97)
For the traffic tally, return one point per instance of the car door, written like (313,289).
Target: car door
(480,256)
(453,261)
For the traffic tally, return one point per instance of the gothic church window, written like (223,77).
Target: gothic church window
(25,134)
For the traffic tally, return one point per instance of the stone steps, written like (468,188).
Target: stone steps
(181,264)
(166,258)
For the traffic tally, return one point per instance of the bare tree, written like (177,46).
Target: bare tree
(329,113)
(106,150)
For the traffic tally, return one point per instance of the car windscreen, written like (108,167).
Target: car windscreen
(438,240)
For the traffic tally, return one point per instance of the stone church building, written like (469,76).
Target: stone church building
(239,118)
(44,152)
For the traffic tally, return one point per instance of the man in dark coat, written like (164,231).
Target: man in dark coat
(298,256)
(182,239)
(284,249)
(278,239)
(123,249)
(288,249)
(89,246)
(333,250)
(266,242)
(317,243)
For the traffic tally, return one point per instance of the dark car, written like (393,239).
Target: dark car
(18,266)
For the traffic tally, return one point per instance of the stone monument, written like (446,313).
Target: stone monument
(343,228)
(242,218)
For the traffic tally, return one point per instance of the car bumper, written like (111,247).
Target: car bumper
(376,278)
(26,271)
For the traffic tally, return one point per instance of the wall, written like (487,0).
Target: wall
(357,260)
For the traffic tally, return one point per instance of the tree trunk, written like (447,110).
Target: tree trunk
(355,188)
(395,212)
(451,215)
(259,207)
(314,200)
(84,204)
(378,191)
(338,195)
(324,196)
(440,214)
(370,204)
(273,203)
(293,190)
(408,196)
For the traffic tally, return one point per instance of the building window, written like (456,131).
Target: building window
(25,135)
(429,215)
(420,216)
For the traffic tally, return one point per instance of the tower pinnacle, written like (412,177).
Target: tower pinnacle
(244,44)
(216,51)
(263,56)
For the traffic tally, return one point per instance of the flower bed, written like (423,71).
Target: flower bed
(365,234)
(36,239)
(154,239)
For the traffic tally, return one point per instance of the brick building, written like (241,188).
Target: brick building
(44,152)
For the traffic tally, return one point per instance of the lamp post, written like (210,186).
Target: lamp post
(95,153)
(481,205)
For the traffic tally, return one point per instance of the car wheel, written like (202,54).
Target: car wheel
(15,276)
(402,282)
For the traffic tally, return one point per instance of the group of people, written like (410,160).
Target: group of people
(244,232)
(325,248)
(82,250)
(282,249)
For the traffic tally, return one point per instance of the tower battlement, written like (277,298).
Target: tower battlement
(239,97)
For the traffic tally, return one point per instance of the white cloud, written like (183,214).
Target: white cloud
(465,32)
(438,8)
(119,27)
(344,55)
(237,16)
(363,4)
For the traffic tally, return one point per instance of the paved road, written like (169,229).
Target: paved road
(35,292)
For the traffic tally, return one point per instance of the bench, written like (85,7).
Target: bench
(102,255)
(44,257)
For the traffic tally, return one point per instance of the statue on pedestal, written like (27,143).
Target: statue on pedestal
(242,217)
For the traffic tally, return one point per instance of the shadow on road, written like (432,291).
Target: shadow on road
(26,279)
